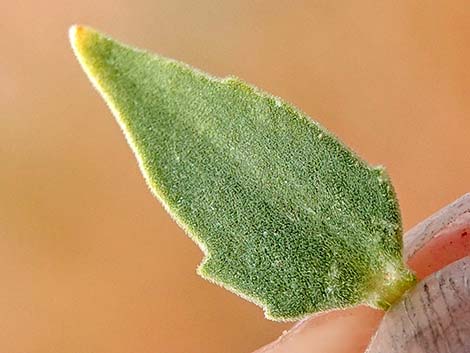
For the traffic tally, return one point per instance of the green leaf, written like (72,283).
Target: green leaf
(286,215)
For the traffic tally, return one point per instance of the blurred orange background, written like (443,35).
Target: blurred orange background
(90,262)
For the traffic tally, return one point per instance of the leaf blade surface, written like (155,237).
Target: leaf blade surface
(286,215)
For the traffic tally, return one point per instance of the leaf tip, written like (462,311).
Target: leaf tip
(83,39)
(77,34)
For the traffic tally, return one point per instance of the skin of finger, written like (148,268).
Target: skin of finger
(441,251)
(344,331)
(349,331)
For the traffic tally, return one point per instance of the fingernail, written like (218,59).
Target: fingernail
(450,218)
(433,317)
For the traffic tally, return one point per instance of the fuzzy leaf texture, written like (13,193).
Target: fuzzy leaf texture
(286,215)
